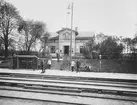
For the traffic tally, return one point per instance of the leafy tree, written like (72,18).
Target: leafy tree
(134,44)
(33,31)
(128,43)
(1,44)
(91,43)
(12,43)
(110,47)
(9,17)
(92,48)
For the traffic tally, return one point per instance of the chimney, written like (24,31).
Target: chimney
(63,28)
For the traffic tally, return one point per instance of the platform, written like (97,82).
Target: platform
(66,73)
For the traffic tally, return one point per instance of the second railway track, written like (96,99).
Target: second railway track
(70,87)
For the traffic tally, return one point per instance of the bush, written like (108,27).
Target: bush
(86,53)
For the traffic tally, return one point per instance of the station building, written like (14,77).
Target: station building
(61,42)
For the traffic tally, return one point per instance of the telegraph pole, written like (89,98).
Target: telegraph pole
(71,34)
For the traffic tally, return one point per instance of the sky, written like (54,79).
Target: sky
(111,17)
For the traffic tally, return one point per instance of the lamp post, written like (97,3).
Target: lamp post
(71,33)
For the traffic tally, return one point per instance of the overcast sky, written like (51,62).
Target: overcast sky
(112,17)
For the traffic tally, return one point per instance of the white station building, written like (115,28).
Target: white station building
(61,42)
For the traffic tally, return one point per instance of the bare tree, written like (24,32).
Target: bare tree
(9,17)
(33,31)
(44,40)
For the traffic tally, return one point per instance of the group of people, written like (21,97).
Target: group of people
(45,65)
(75,65)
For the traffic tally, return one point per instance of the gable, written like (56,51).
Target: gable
(67,30)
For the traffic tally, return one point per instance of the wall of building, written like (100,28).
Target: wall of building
(55,44)
(64,40)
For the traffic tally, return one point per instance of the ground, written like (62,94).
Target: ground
(104,65)
(115,66)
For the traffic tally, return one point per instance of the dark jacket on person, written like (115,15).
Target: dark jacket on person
(78,64)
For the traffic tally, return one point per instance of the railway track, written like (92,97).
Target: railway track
(70,78)
(93,83)
(56,86)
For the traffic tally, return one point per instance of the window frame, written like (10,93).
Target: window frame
(81,49)
(52,49)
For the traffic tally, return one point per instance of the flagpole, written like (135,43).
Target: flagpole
(71,33)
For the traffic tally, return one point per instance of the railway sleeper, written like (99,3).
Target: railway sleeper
(130,93)
(120,92)
(100,91)
(52,88)
(89,90)
(21,85)
(60,87)
(116,92)
(109,92)
(7,84)
(2,83)
(127,93)
(13,84)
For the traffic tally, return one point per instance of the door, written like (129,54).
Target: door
(66,50)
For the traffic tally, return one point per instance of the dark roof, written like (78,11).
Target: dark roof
(67,29)
(77,38)
(54,38)
(83,38)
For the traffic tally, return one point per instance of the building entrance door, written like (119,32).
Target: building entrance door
(66,50)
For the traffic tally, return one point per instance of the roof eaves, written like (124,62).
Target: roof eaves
(67,29)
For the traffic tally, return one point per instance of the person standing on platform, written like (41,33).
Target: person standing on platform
(78,65)
(72,65)
(42,66)
(33,64)
(100,56)
(49,63)
(57,55)
(14,60)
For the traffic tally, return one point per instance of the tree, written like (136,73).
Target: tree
(9,17)
(111,48)
(107,46)
(11,43)
(128,43)
(1,44)
(134,44)
(44,40)
(89,49)
(92,48)
(91,43)
(33,31)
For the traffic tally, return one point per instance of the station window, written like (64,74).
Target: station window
(52,49)
(81,49)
